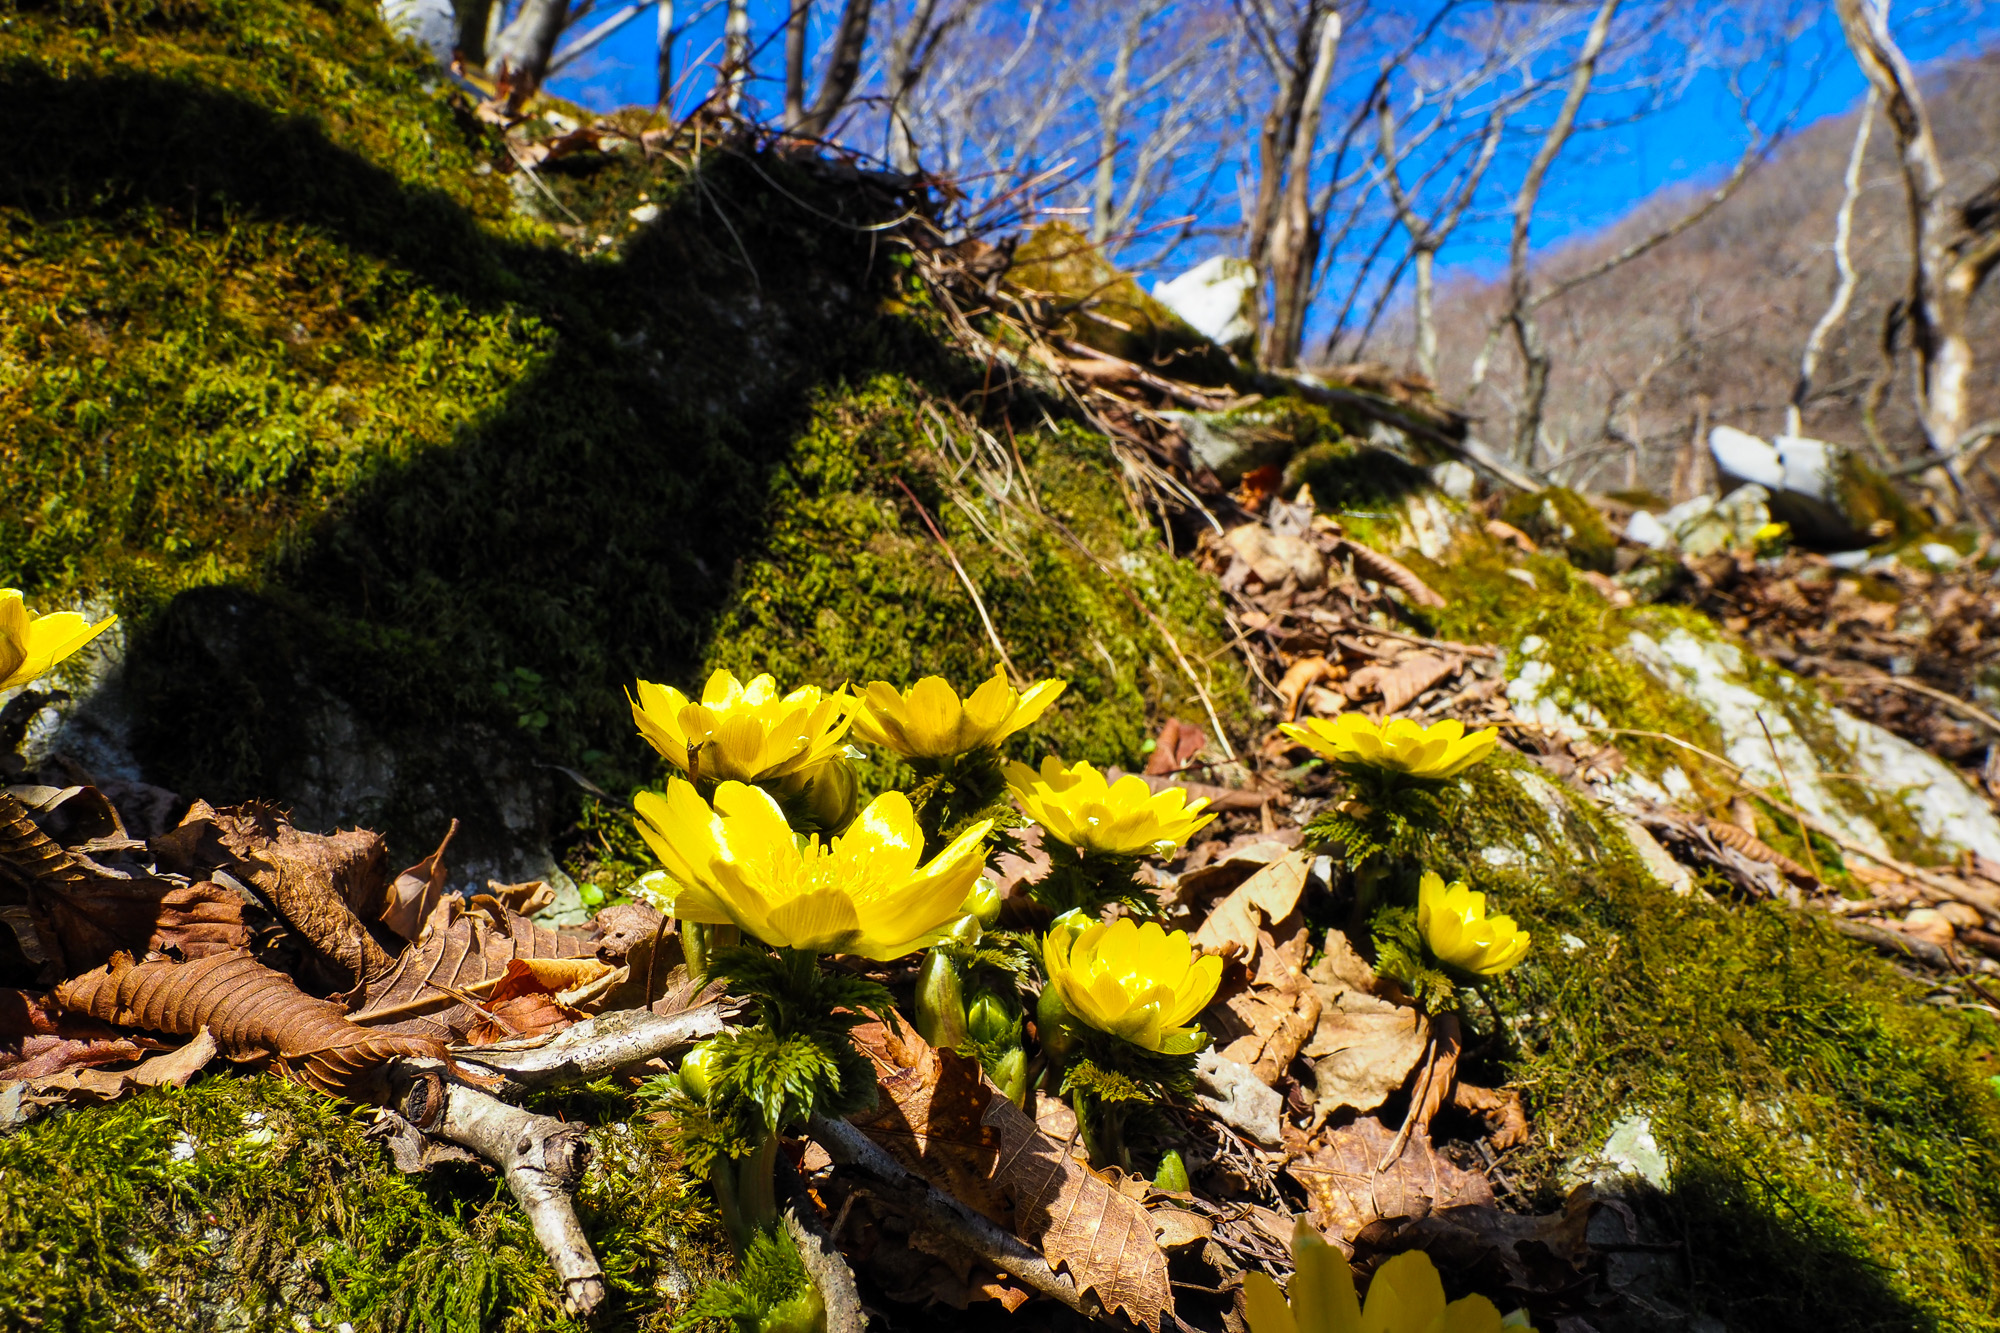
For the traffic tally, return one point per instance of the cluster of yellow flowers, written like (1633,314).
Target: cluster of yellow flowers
(30,644)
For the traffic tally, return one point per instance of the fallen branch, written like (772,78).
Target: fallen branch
(541,1158)
(596,1047)
(1894,943)
(980,1239)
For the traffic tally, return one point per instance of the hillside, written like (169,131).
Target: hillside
(1720,313)
(403,463)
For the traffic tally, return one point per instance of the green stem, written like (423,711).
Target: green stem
(746,1191)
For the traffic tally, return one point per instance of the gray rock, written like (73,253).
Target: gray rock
(1242,1100)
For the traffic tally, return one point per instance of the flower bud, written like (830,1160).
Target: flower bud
(1010,1074)
(698,1070)
(1172,1175)
(1071,924)
(983,902)
(832,796)
(1055,1026)
(940,1018)
(964,931)
(993,1018)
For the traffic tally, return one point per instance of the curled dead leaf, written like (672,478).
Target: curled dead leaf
(258,1015)
(462,953)
(1350,1190)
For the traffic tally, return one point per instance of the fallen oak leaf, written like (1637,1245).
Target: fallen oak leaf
(36,1041)
(258,1015)
(1271,893)
(1365,1045)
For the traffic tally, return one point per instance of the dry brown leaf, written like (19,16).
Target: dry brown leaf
(1298,677)
(463,950)
(1079,1222)
(36,1041)
(1365,1046)
(1266,898)
(84,1085)
(1757,850)
(1348,1193)
(526,1015)
(1411,677)
(75,913)
(310,879)
(1506,1117)
(1385,569)
(1178,744)
(257,1015)
(414,895)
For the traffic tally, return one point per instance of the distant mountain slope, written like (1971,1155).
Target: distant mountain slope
(1724,310)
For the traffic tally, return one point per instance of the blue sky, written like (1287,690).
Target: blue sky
(1598,179)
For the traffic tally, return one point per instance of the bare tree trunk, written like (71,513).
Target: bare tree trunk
(1290,241)
(842,69)
(910,50)
(1535,359)
(1955,248)
(1427,331)
(519,57)
(795,62)
(1843,264)
(1111,125)
(665,24)
(735,54)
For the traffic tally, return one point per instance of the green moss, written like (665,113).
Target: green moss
(1835,1144)
(853,588)
(243,1202)
(1875,504)
(1104,307)
(1581,639)
(1560,517)
(1347,476)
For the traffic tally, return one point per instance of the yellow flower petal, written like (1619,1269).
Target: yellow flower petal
(1123,819)
(1265,1308)
(930,722)
(31,645)
(1322,1292)
(1406,1295)
(1440,750)
(1135,982)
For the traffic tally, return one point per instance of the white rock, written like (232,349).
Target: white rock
(430,23)
(1644,530)
(1630,1152)
(1213,297)
(1849,559)
(1455,479)
(644,213)
(1938,554)
(1809,466)
(1710,673)
(1746,458)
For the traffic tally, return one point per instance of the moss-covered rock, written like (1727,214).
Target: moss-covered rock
(402,471)
(1561,518)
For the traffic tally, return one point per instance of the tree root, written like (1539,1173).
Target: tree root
(541,1158)
(978,1238)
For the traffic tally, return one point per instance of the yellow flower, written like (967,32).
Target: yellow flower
(743,733)
(928,722)
(1441,750)
(1405,1296)
(31,644)
(1133,981)
(861,893)
(1122,818)
(1455,926)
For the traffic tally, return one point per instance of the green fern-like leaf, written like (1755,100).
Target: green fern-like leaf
(771,1293)
(1101,1084)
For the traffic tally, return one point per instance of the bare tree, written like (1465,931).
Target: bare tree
(1953,247)
(1845,278)
(1284,232)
